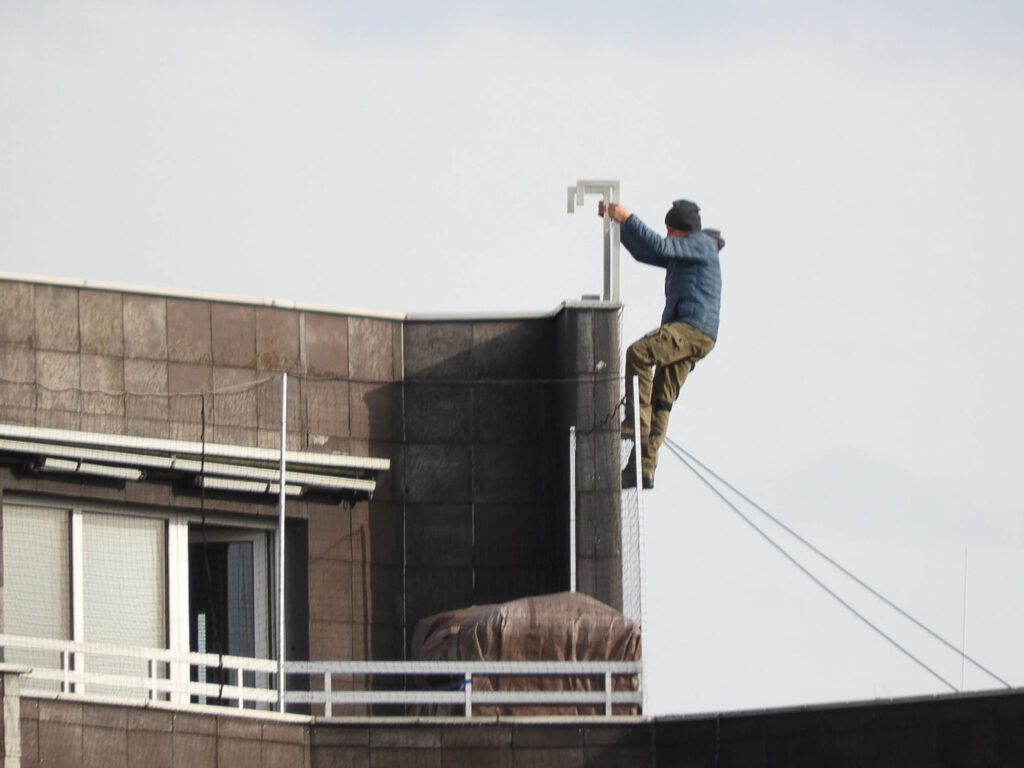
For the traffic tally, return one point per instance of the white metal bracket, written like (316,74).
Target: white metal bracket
(609,191)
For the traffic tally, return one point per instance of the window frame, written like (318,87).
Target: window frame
(175,568)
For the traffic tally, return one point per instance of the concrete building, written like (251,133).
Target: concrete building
(470,414)
(427,467)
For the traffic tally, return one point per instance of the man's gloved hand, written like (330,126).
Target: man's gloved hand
(617,211)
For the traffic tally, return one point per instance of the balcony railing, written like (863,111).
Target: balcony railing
(141,674)
(137,675)
(465,695)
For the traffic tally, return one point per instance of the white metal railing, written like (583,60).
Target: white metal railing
(84,668)
(462,675)
(137,675)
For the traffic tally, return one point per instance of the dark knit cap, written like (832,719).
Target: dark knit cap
(683,215)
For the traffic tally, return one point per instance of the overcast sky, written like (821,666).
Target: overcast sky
(863,161)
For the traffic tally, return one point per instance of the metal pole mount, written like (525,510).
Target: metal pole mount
(609,191)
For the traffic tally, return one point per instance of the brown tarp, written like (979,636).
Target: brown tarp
(566,626)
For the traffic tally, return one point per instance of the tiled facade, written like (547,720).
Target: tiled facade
(473,413)
(978,730)
(87,735)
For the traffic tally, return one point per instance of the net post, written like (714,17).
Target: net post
(641,526)
(280,546)
(572,509)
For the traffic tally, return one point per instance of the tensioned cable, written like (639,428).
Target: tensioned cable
(675,446)
(807,573)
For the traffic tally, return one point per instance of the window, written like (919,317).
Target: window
(130,578)
(86,576)
(37,572)
(229,597)
(123,590)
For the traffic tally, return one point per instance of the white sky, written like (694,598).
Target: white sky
(864,164)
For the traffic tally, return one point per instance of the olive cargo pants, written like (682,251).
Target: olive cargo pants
(672,351)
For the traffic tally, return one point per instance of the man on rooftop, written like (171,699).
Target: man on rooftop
(663,358)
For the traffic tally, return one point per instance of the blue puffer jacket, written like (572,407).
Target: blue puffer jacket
(693,275)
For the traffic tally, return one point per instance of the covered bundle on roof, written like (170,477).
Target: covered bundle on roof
(562,627)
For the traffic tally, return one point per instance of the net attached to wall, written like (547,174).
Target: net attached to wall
(471,513)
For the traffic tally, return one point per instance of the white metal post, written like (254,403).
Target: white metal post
(631,512)
(329,701)
(77,658)
(572,509)
(178,605)
(641,526)
(12,718)
(280,546)
(609,191)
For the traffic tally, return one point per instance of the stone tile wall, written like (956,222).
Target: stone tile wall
(487,411)
(124,363)
(86,735)
(588,358)
(474,415)
(971,730)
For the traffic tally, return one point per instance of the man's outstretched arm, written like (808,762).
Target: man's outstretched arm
(644,244)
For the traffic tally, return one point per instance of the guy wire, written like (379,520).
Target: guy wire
(676,452)
(959,651)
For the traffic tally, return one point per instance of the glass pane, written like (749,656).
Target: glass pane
(228,600)
(241,628)
(123,576)
(36,592)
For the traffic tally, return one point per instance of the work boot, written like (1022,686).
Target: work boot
(629,473)
(629,478)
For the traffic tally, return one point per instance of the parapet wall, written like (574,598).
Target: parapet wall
(972,730)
